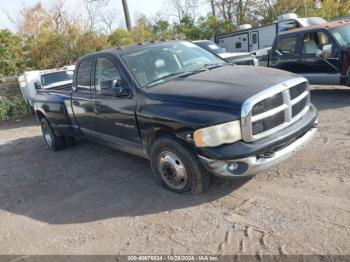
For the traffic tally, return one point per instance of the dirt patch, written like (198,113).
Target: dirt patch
(89,199)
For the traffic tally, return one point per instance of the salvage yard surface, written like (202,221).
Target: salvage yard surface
(89,199)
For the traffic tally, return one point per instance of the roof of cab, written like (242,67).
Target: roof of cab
(130,48)
(328,25)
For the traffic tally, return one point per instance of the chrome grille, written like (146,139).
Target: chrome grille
(297,90)
(268,123)
(275,109)
(298,107)
(268,104)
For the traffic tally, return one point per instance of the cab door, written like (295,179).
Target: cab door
(114,109)
(317,69)
(82,103)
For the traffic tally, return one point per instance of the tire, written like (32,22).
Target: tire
(176,167)
(53,141)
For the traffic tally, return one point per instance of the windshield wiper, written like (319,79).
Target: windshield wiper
(213,66)
(177,74)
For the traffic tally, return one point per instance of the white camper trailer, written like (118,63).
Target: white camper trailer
(249,39)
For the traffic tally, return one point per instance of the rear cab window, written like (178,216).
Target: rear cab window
(286,45)
(83,81)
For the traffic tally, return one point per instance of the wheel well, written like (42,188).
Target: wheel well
(39,115)
(154,135)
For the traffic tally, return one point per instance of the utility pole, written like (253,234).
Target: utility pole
(126,14)
(212,7)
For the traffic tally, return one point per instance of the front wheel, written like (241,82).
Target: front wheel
(176,167)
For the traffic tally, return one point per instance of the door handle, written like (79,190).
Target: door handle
(76,103)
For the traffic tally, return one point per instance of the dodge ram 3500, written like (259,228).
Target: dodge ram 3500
(183,108)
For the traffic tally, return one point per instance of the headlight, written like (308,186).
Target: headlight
(213,136)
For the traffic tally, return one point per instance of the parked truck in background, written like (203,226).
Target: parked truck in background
(185,109)
(237,58)
(31,81)
(320,53)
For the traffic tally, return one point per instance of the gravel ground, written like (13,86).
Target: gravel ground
(89,199)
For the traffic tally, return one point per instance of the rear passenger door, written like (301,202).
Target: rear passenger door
(82,103)
(284,53)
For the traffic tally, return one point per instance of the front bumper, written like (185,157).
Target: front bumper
(258,163)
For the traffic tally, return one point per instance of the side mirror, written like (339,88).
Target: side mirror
(115,88)
(326,51)
(37,86)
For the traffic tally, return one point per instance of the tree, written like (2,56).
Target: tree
(13,59)
(210,26)
(53,38)
(93,8)
(120,37)
(107,21)
(162,29)
(143,30)
(181,9)
(236,12)
(330,9)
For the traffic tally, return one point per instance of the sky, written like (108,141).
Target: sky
(136,7)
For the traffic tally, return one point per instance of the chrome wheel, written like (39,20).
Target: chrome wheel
(47,135)
(172,170)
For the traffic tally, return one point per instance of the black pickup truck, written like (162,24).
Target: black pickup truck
(320,53)
(184,109)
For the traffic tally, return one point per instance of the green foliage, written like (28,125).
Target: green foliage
(120,37)
(330,9)
(143,30)
(161,29)
(12,107)
(12,56)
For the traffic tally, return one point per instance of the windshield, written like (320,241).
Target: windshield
(159,63)
(342,34)
(56,77)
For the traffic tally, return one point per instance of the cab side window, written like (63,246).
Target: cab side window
(83,76)
(286,45)
(105,71)
(313,42)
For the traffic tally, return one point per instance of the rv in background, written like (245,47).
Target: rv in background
(249,39)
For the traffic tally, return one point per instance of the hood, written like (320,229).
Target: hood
(228,86)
